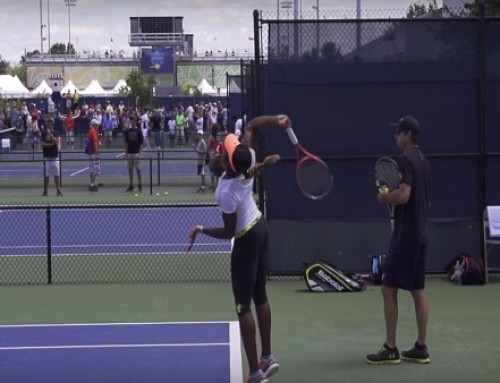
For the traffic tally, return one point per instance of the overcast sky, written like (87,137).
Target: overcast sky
(216,24)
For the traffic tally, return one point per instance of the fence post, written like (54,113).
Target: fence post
(158,160)
(150,176)
(49,244)
(60,168)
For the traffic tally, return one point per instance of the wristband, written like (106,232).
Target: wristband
(199,228)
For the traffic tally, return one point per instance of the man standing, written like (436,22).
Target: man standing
(180,123)
(200,147)
(134,143)
(50,142)
(95,162)
(404,267)
(69,124)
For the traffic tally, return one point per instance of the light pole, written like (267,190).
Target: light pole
(41,29)
(48,23)
(69,4)
(316,7)
(287,5)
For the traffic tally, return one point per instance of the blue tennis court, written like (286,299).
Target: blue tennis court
(112,231)
(121,352)
(76,165)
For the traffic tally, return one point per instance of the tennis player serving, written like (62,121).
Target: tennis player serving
(250,254)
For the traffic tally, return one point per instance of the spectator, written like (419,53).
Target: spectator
(213,146)
(171,130)
(180,123)
(156,128)
(95,162)
(69,126)
(201,148)
(50,144)
(107,125)
(134,143)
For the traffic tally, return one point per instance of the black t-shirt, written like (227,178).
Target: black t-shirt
(49,151)
(133,140)
(155,123)
(411,217)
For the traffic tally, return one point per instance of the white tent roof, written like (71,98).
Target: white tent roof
(205,87)
(12,86)
(69,87)
(120,84)
(233,87)
(43,88)
(94,89)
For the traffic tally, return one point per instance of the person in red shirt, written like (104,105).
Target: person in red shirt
(69,124)
(95,162)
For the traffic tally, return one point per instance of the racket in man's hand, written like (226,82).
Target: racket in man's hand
(313,177)
(387,179)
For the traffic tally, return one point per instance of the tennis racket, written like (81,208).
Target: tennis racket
(387,179)
(313,177)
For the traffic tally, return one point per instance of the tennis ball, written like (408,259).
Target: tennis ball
(166,193)
(157,194)
(136,195)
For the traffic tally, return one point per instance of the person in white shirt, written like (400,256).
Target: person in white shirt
(250,253)
(145,129)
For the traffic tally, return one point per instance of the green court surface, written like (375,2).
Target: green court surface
(317,337)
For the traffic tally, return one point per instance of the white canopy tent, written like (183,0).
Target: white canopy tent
(205,88)
(94,89)
(11,87)
(69,87)
(233,87)
(42,89)
(119,85)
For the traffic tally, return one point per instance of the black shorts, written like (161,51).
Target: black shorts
(249,265)
(404,267)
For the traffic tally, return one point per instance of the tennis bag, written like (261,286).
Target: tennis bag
(322,276)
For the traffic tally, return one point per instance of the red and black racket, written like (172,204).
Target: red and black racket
(313,176)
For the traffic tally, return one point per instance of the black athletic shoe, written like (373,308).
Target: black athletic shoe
(385,355)
(140,187)
(130,188)
(418,354)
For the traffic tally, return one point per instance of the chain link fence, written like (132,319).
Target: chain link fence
(343,81)
(119,243)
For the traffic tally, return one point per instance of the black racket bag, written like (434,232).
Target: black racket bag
(322,276)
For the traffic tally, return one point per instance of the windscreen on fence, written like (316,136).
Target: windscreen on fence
(343,82)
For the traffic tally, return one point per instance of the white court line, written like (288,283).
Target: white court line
(235,356)
(79,171)
(109,324)
(235,361)
(98,346)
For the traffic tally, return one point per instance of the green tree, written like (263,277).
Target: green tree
(140,91)
(330,53)
(4,66)
(491,7)
(62,49)
(19,71)
(419,9)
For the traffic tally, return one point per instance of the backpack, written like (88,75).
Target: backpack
(87,145)
(466,270)
(321,276)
